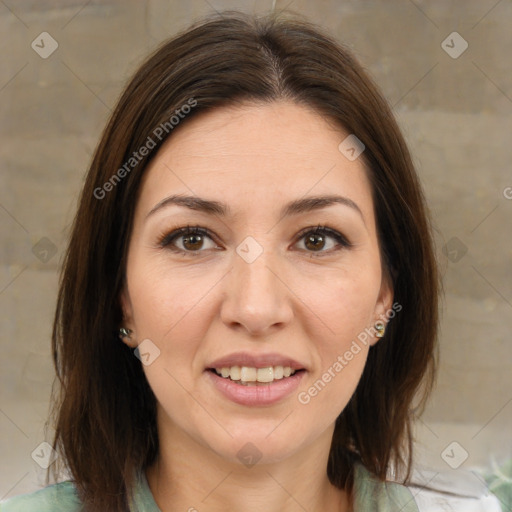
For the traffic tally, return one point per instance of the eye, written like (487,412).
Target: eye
(192,240)
(189,240)
(316,240)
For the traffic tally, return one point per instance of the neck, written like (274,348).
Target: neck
(188,476)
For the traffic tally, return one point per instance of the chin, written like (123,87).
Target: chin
(256,443)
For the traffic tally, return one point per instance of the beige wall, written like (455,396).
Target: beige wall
(457,117)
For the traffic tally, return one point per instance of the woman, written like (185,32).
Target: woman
(248,305)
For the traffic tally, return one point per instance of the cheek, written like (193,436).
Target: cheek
(174,309)
(166,300)
(339,355)
(343,304)
(343,308)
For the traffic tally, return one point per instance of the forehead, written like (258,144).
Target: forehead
(256,157)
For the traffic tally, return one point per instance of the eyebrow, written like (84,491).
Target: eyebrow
(210,207)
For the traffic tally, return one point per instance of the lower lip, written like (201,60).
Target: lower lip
(258,395)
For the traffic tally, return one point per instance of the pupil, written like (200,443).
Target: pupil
(311,239)
(194,240)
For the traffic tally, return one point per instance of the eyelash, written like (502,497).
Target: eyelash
(166,239)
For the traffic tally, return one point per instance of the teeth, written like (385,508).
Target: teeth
(249,374)
(234,372)
(265,374)
(278,372)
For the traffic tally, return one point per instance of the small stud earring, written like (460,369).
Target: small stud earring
(381,329)
(125,333)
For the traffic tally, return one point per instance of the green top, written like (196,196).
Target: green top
(370,495)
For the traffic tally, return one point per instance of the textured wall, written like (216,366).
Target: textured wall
(454,104)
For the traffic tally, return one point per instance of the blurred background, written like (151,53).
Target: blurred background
(445,68)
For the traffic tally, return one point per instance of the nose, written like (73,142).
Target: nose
(256,296)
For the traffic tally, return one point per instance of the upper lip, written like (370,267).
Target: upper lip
(255,361)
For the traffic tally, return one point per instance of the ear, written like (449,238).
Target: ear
(127,323)
(384,304)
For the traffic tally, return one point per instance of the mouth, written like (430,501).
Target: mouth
(253,376)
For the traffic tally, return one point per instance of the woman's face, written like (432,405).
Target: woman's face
(255,293)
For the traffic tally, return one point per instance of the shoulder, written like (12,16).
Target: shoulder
(371,494)
(455,490)
(61,497)
(428,491)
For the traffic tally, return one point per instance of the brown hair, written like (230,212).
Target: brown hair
(105,411)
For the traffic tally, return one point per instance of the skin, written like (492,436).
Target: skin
(307,302)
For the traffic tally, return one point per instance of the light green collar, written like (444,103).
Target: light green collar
(370,495)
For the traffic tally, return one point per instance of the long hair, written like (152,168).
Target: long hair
(103,407)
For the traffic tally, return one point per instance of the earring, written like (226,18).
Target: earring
(380,327)
(125,333)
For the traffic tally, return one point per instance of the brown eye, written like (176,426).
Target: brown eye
(315,242)
(188,240)
(323,239)
(192,242)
